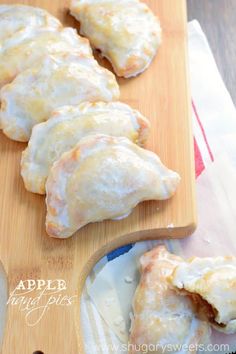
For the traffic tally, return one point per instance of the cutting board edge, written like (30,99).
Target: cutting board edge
(138,236)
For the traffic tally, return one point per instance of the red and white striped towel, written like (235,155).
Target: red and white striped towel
(202,150)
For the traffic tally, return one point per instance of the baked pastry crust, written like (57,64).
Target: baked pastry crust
(36,92)
(211,282)
(65,128)
(14,18)
(126,32)
(27,47)
(162,317)
(103,177)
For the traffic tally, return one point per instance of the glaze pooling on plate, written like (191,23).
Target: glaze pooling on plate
(162,317)
(57,81)
(103,177)
(27,47)
(67,126)
(212,284)
(126,32)
(14,18)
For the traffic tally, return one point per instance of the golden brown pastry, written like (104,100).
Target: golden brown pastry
(14,18)
(67,126)
(163,319)
(26,48)
(211,284)
(57,81)
(103,177)
(126,32)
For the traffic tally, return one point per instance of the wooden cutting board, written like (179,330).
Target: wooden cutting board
(162,94)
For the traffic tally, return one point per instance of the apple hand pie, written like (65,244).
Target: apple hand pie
(126,32)
(163,319)
(14,18)
(67,126)
(103,177)
(27,47)
(211,283)
(58,81)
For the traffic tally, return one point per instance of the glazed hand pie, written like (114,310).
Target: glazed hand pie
(67,126)
(163,319)
(27,47)
(126,32)
(103,177)
(36,92)
(14,18)
(211,283)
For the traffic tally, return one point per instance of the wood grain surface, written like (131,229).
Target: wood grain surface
(217,18)
(162,94)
